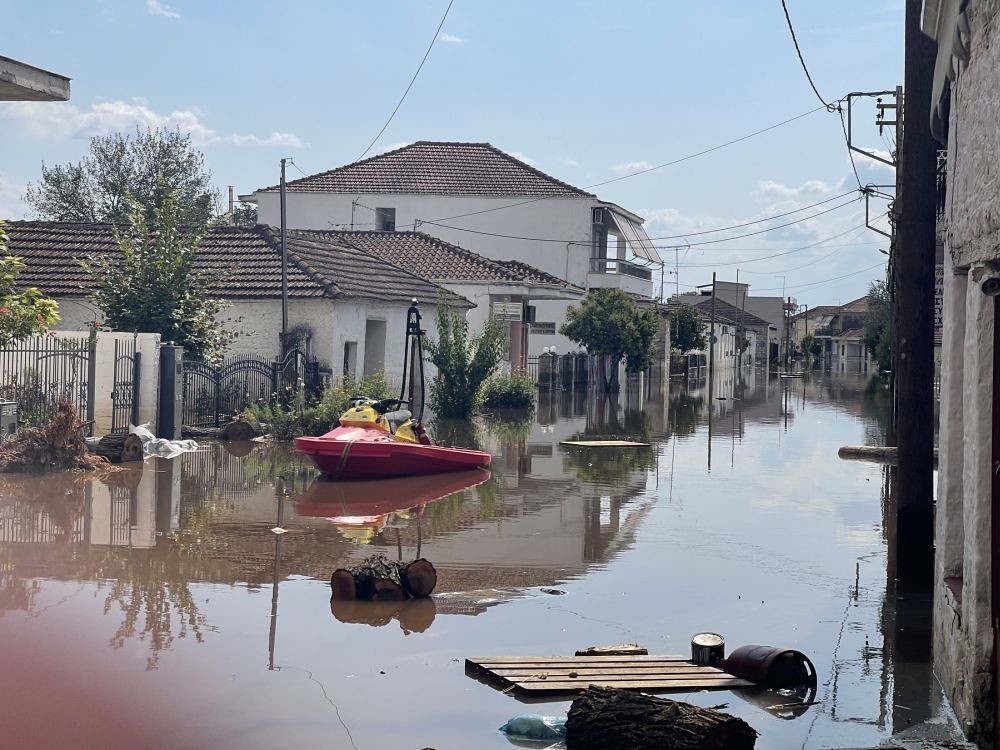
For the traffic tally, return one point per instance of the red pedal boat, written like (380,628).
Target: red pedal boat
(378,439)
(350,452)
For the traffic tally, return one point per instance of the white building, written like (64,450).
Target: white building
(966,93)
(347,308)
(473,194)
(771,345)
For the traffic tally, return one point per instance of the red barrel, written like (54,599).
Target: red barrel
(771,667)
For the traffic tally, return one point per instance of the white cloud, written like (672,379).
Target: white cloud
(631,166)
(570,162)
(867,161)
(44,120)
(11,205)
(451,39)
(156,8)
(526,159)
(391,147)
(809,187)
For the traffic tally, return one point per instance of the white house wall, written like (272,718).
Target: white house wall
(562,219)
(258,324)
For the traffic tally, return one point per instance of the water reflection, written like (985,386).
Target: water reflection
(787,544)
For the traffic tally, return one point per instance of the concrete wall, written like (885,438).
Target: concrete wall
(963,630)
(258,323)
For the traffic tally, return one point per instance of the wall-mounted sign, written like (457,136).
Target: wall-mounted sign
(938,302)
(543,328)
(513,311)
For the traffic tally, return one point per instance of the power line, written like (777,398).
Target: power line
(564,241)
(829,107)
(824,281)
(642,171)
(850,152)
(410,85)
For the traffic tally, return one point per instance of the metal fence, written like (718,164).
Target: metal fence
(39,372)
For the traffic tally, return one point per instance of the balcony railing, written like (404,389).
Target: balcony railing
(613,265)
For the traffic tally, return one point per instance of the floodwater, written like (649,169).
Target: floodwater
(155,607)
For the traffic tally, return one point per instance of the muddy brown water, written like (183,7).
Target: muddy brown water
(156,608)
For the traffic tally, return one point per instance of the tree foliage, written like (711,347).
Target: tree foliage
(687,330)
(125,170)
(811,347)
(152,284)
(464,363)
(609,324)
(23,312)
(245,215)
(878,324)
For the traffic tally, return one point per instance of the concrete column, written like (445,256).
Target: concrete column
(949,534)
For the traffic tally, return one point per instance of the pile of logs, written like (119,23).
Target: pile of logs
(608,719)
(120,447)
(381,579)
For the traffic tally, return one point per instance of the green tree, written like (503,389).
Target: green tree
(811,347)
(23,312)
(245,214)
(878,324)
(463,363)
(123,170)
(609,324)
(687,330)
(152,283)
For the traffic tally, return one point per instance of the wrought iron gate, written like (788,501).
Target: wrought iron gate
(125,389)
(215,394)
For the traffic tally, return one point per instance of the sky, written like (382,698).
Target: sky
(585,91)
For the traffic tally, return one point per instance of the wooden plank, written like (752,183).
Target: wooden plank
(605,443)
(654,670)
(574,659)
(609,678)
(664,685)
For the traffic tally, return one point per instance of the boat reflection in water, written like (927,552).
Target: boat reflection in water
(360,510)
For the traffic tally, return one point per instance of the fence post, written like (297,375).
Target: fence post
(170,412)
(91,378)
(136,362)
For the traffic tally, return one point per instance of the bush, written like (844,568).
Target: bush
(303,416)
(515,391)
(463,362)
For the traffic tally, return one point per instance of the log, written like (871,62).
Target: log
(120,447)
(419,578)
(609,719)
(620,649)
(878,453)
(382,579)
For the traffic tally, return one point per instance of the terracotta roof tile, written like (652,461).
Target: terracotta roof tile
(730,313)
(247,261)
(438,168)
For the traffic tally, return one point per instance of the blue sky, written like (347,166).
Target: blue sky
(586,91)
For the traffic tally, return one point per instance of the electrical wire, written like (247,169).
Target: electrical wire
(587,241)
(410,84)
(823,281)
(829,106)
(850,151)
(642,171)
(776,255)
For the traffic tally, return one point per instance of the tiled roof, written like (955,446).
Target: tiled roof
(853,333)
(730,313)
(438,168)
(433,258)
(247,262)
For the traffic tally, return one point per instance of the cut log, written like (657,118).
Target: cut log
(382,579)
(885,454)
(419,578)
(120,447)
(609,719)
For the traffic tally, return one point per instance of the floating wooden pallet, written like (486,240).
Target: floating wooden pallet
(567,675)
(604,444)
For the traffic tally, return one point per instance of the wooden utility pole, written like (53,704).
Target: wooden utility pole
(913,322)
(284,266)
(711,345)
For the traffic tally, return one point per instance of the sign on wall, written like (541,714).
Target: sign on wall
(513,311)
(938,303)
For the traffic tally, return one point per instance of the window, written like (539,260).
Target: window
(385,219)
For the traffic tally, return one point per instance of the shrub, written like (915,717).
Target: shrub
(463,362)
(302,416)
(515,391)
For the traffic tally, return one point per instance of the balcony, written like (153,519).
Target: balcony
(615,266)
(611,273)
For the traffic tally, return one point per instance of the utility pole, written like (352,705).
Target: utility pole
(913,312)
(711,348)
(231,205)
(736,338)
(284,266)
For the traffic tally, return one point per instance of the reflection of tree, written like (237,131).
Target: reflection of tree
(686,412)
(607,466)
(875,404)
(509,427)
(456,433)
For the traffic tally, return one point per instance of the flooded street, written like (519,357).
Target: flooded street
(156,607)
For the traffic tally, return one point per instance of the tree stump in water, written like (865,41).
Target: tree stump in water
(609,719)
(382,579)
(119,447)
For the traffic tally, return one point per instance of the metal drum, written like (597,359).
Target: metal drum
(771,667)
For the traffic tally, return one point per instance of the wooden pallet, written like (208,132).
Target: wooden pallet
(604,444)
(528,676)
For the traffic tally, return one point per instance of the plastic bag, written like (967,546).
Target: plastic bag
(154,446)
(535,727)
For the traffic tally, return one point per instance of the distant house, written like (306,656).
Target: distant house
(839,329)
(20,82)
(507,288)
(346,307)
(770,343)
(730,327)
(475,194)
